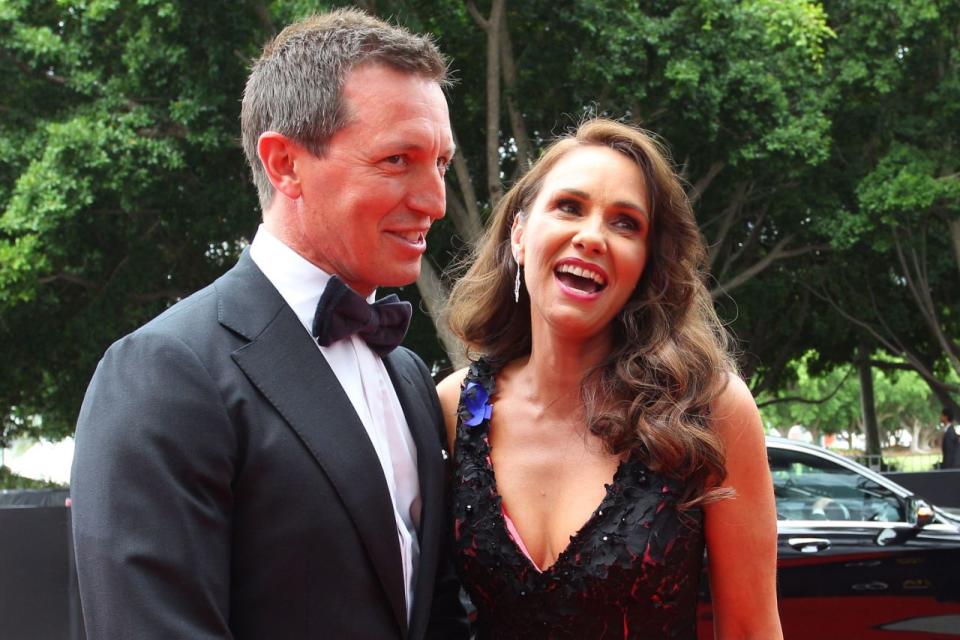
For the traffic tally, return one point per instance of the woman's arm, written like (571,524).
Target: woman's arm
(741,531)
(449,392)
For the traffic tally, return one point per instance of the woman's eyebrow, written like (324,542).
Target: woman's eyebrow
(623,204)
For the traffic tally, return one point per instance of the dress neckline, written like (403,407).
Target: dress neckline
(518,545)
(483,374)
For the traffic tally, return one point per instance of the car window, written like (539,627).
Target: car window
(808,487)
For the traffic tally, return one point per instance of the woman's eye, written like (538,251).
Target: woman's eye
(568,206)
(627,223)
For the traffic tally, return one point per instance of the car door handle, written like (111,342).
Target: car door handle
(809,545)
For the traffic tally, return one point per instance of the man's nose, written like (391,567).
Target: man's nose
(428,195)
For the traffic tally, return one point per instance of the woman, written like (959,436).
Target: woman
(603,436)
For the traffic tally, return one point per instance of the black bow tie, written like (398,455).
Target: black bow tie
(341,313)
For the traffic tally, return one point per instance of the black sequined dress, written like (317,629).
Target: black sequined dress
(631,571)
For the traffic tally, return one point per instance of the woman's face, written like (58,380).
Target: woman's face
(583,244)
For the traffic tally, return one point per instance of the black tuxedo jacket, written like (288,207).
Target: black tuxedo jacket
(224,487)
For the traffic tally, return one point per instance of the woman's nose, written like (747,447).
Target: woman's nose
(590,237)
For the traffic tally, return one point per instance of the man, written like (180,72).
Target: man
(235,477)
(951,440)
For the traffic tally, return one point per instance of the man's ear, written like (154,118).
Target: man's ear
(278,155)
(516,238)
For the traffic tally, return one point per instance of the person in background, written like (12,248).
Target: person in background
(951,440)
(601,435)
(261,461)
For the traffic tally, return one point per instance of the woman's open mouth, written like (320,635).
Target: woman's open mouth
(579,278)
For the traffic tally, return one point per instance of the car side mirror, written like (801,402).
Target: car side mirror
(920,513)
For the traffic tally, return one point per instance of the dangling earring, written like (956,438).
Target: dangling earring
(516,285)
(516,256)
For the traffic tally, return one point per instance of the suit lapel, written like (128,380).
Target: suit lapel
(285,365)
(423,429)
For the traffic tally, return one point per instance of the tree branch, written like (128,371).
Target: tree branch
(467,226)
(174,130)
(473,224)
(726,221)
(778,252)
(70,278)
(914,272)
(803,400)
(892,344)
(785,349)
(704,181)
(31,71)
(477,17)
(755,228)
(263,14)
(433,295)
(886,365)
(162,294)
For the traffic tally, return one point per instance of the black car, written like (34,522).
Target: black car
(859,557)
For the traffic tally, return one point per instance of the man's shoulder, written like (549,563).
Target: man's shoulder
(195,316)
(408,355)
(189,322)
(198,308)
(409,362)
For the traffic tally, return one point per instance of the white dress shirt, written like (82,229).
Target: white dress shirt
(366,382)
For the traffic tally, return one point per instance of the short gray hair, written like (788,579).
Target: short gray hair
(296,86)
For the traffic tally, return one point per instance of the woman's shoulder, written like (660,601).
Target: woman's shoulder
(736,421)
(449,391)
(481,374)
(734,408)
(449,388)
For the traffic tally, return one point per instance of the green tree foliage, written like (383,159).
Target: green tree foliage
(829,403)
(122,186)
(895,175)
(10,480)
(736,89)
(802,128)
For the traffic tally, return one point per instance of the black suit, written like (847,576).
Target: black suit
(951,447)
(223,485)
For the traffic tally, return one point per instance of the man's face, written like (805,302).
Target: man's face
(366,205)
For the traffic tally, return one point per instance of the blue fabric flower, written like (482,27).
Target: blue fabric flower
(476,405)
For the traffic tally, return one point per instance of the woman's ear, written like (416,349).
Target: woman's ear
(278,155)
(516,238)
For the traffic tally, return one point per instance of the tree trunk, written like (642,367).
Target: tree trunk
(920,442)
(868,402)
(517,124)
(433,295)
(943,396)
(493,25)
(955,237)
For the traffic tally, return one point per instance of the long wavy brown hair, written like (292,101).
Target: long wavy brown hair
(651,396)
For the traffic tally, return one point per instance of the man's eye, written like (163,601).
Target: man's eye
(442,165)
(397,159)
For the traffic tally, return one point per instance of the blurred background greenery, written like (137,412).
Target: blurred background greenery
(818,140)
